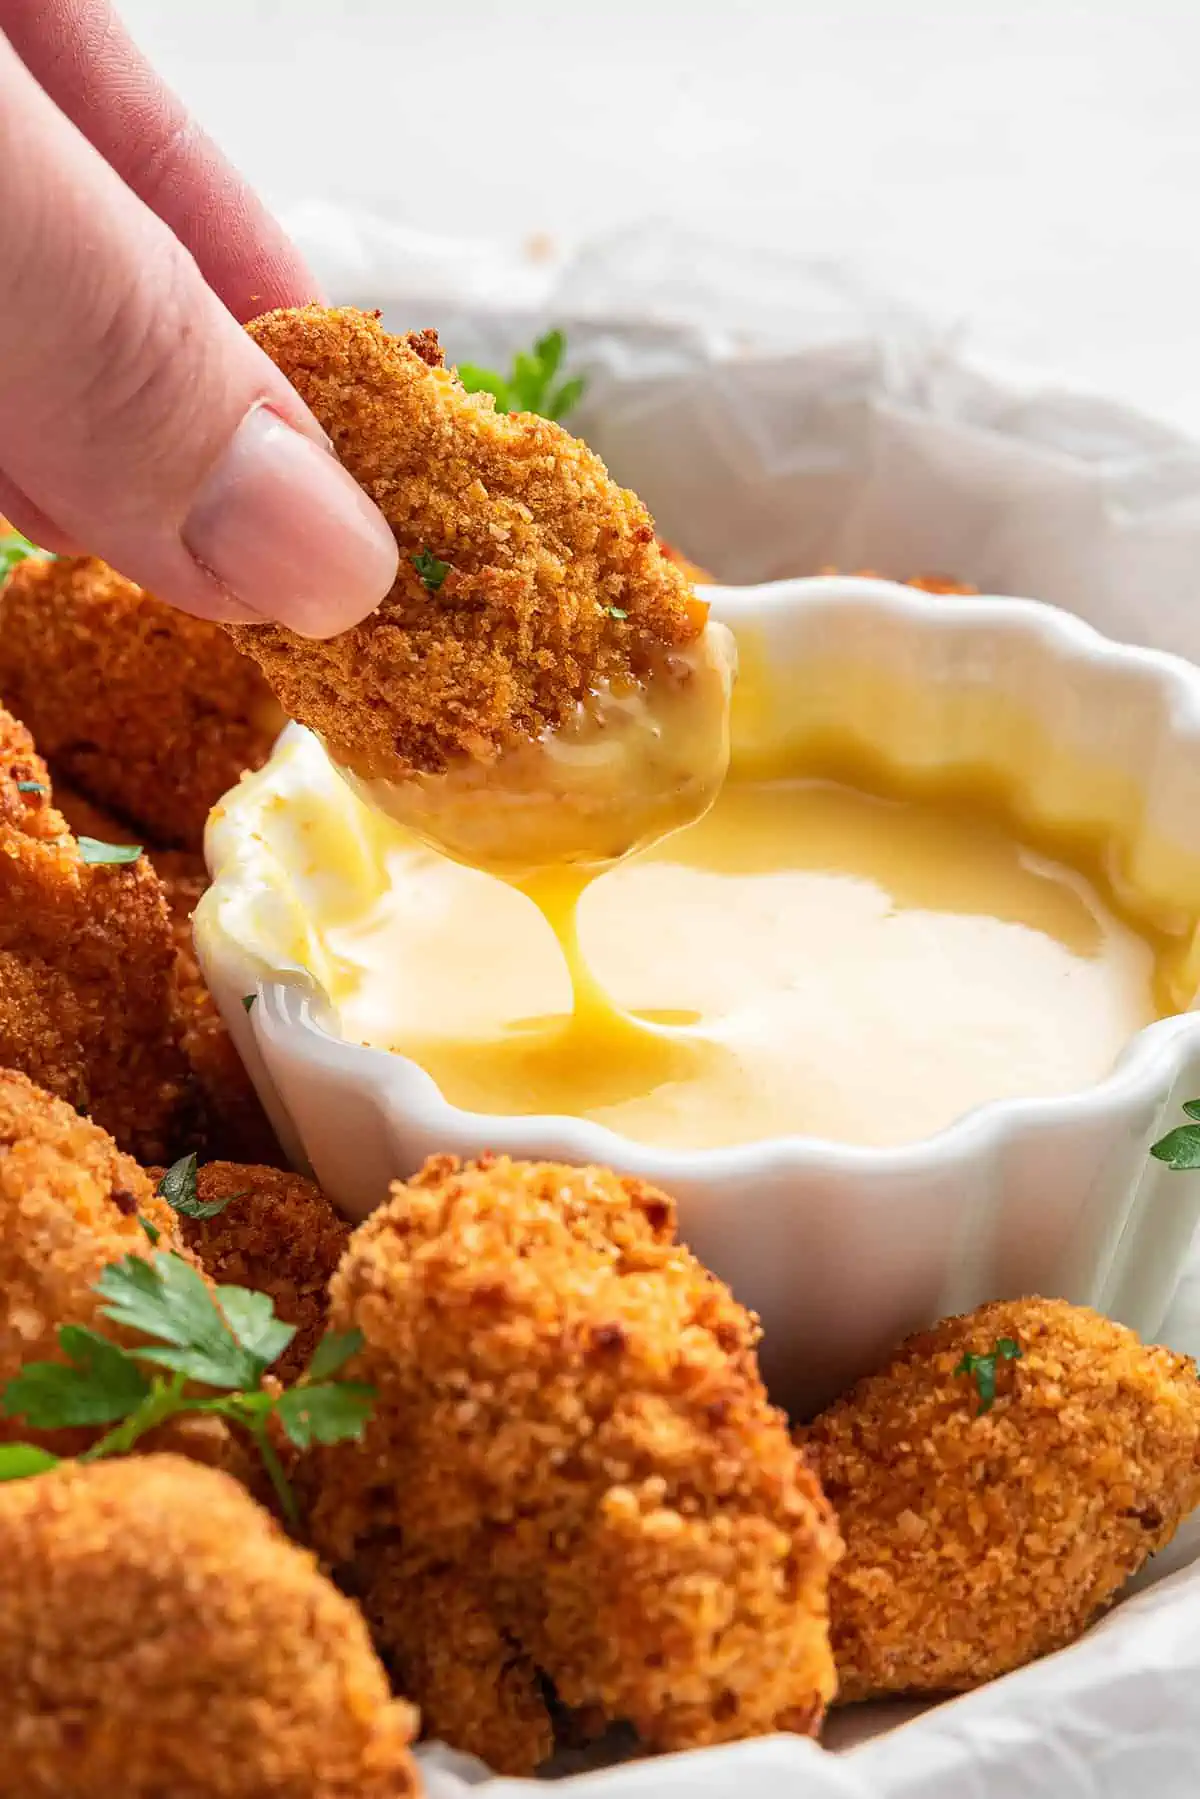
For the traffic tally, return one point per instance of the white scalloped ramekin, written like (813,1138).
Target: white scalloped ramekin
(841,1250)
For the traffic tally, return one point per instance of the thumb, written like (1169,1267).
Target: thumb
(138,420)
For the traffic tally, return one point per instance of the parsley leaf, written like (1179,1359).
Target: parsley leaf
(248,1000)
(15,547)
(431,571)
(331,1413)
(333,1352)
(222,1338)
(1180,1148)
(529,385)
(97,1384)
(178,1188)
(19,1460)
(151,1229)
(93,851)
(615,611)
(982,1369)
(31,787)
(165,1298)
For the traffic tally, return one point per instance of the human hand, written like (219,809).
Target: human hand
(138,421)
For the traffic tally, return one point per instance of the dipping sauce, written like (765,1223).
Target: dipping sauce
(811,957)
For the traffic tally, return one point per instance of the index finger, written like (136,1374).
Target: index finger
(85,60)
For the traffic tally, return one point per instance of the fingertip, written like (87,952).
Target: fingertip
(288,533)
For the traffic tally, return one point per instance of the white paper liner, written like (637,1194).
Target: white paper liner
(777,415)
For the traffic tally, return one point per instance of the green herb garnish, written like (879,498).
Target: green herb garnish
(151,1229)
(19,1460)
(431,571)
(178,1188)
(248,1000)
(219,1340)
(529,387)
(1180,1148)
(15,547)
(30,787)
(982,1369)
(93,851)
(615,611)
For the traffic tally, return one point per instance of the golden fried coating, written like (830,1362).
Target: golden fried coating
(69,1205)
(278,1234)
(436,1634)
(555,582)
(147,711)
(975,1543)
(87,991)
(159,1635)
(232,1124)
(569,1408)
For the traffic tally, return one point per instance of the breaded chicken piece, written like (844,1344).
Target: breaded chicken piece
(569,1408)
(279,1235)
(160,1636)
(87,993)
(547,580)
(436,1634)
(978,1541)
(149,712)
(69,1205)
(232,1123)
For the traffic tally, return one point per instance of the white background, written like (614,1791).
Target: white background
(1031,167)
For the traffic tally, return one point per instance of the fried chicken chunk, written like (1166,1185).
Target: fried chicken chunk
(159,1635)
(147,711)
(278,1234)
(569,1410)
(435,1630)
(69,1205)
(977,1540)
(527,577)
(87,996)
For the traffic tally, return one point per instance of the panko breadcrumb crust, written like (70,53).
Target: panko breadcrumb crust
(151,713)
(556,582)
(87,969)
(975,1543)
(434,1628)
(278,1234)
(159,1636)
(231,1123)
(569,1410)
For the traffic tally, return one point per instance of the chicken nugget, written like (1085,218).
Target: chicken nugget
(160,1635)
(982,1534)
(149,712)
(536,642)
(87,988)
(277,1234)
(434,1628)
(569,1408)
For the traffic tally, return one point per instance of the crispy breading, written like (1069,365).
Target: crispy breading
(278,1234)
(569,1407)
(555,585)
(975,1543)
(149,712)
(87,994)
(435,1631)
(232,1124)
(69,1205)
(159,1635)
